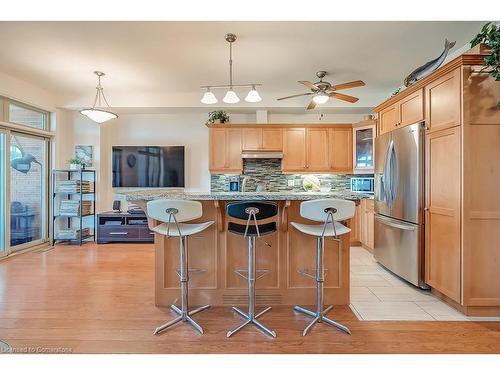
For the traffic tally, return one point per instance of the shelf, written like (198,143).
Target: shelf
(74,240)
(77,216)
(78,193)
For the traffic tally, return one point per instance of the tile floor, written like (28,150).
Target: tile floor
(377,294)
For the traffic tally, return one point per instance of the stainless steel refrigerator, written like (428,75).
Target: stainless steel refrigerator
(399,226)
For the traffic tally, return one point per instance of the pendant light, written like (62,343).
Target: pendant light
(209,97)
(231,97)
(253,96)
(99,115)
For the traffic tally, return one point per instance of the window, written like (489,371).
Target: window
(23,115)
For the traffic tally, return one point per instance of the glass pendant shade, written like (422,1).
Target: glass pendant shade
(231,97)
(209,98)
(98,115)
(253,96)
(321,98)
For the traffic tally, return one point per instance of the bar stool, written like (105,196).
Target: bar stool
(327,211)
(173,213)
(251,211)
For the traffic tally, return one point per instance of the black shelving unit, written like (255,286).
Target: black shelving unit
(74,175)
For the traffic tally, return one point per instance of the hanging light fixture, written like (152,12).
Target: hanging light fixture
(231,97)
(209,97)
(95,114)
(253,96)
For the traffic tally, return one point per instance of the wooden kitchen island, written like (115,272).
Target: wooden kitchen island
(215,254)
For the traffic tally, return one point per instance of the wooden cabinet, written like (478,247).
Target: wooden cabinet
(442,212)
(317,157)
(443,101)
(294,150)
(340,149)
(462,209)
(367,223)
(363,146)
(262,139)
(387,119)
(225,146)
(272,139)
(355,225)
(406,111)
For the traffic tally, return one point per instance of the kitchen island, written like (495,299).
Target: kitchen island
(215,254)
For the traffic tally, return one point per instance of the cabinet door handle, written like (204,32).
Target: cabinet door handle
(118,233)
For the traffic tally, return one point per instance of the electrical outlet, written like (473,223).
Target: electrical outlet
(291,182)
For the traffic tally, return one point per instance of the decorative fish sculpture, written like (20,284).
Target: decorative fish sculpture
(429,67)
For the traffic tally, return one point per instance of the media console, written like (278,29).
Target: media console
(123,227)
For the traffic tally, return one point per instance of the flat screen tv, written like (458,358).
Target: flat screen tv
(148,166)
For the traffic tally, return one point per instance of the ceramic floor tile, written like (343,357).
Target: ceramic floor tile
(441,311)
(361,293)
(391,311)
(374,269)
(357,262)
(402,294)
(369,280)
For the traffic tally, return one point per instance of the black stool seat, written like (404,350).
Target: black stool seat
(265,209)
(264,229)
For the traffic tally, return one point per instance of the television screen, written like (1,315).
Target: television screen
(148,166)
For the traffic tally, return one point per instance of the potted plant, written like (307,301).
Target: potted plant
(217,117)
(74,163)
(490,37)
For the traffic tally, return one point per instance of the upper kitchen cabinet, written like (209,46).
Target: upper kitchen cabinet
(340,149)
(317,159)
(225,150)
(407,111)
(262,139)
(443,106)
(294,150)
(363,144)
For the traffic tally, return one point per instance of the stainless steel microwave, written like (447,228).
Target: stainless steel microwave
(362,185)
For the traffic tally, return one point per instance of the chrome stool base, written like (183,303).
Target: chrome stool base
(182,317)
(252,320)
(320,317)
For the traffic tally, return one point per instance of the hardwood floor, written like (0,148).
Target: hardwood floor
(99,299)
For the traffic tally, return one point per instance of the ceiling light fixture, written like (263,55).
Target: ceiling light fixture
(95,114)
(253,96)
(231,97)
(321,98)
(209,97)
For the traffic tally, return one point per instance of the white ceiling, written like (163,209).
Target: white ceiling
(162,64)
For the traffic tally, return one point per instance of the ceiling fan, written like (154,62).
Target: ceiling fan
(323,90)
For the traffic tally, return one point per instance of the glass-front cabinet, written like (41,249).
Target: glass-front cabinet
(363,147)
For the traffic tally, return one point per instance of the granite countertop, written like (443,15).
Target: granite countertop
(150,194)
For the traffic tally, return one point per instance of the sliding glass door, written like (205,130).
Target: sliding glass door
(28,190)
(3,193)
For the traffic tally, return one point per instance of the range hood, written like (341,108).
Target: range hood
(262,155)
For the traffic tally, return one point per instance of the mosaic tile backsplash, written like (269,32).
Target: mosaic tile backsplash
(268,172)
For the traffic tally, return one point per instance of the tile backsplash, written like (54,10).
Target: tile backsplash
(268,172)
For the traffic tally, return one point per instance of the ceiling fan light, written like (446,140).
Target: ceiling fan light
(321,98)
(209,98)
(98,115)
(231,97)
(253,96)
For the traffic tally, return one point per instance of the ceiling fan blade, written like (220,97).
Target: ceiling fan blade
(312,86)
(294,96)
(348,85)
(347,98)
(312,105)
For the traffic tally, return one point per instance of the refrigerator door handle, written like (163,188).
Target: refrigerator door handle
(387,175)
(394,173)
(394,224)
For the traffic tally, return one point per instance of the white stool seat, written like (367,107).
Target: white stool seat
(317,229)
(186,229)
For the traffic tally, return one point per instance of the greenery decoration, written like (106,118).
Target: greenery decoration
(214,116)
(490,37)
